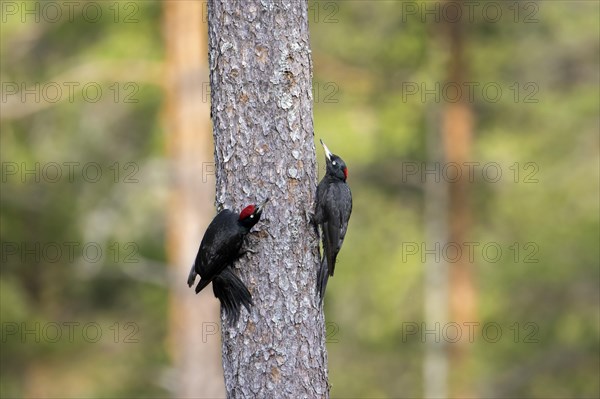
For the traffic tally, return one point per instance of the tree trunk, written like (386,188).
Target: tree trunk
(193,330)
(260,76)
(457,131)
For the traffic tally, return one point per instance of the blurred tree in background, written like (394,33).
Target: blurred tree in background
(197,362)
(380,90)
(107,140)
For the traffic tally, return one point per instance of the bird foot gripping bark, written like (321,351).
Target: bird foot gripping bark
(312,220)
(244,251)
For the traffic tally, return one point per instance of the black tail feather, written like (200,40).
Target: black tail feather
(192,276)
(202,284)
(232,293)
(322,279)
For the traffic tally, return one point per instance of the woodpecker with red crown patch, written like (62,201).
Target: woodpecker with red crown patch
(332,213)
(221,246)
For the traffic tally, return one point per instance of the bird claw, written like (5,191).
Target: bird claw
(312,220)
(244,251)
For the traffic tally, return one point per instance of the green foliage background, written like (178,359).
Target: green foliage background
(364,54)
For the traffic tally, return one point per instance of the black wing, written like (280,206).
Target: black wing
(345,210)
(338,207)
(220,246)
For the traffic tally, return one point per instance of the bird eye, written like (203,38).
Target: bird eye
(334,163)
(251,216)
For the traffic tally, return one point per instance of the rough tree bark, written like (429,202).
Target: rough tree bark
(260,76)
(187,116)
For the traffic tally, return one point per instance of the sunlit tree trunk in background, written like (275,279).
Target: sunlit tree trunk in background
(260,74)
(193,334)
(457,132)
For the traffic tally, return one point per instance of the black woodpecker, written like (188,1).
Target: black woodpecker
(221,246)
(332,212)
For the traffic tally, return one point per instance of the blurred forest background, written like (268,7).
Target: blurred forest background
(85,189)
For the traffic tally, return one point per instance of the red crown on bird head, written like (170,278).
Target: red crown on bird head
(247,211)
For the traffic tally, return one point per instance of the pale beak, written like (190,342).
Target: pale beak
(328,153)
(260,208)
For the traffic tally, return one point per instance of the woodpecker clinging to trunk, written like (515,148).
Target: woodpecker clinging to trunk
(332,212)
(221,246)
